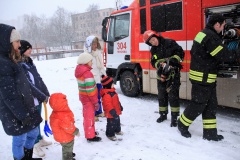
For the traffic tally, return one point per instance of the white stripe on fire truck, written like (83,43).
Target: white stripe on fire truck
(186,45)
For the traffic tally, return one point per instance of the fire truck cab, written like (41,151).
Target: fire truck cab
(127,57)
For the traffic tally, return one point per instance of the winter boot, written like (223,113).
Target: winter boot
(113,138)
(211,135)
(37,150)
(94,139)
(119,133)
(73,154)
(162,118)
(174,121)
(183,129)
(43,143)
(28,155)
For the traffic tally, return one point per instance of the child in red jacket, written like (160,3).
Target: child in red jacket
(88,95)
(112,108)
(62,124)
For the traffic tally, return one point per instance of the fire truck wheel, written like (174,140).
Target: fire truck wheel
(129,84)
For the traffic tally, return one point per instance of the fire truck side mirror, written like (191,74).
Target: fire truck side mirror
(104,34)
(104,28)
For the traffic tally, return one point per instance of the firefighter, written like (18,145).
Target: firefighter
(166,57)
(207,51)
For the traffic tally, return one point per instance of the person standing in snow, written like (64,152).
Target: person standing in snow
(167,56)
(93,47)
(39,89)
(112,108)
(88,95)
(206,53)
(62,124)
(18,114)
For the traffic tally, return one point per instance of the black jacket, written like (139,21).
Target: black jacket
(16,100)
(206,53)
(39,88)
(167,48)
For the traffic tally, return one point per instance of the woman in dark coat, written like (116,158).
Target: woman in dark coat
(17,112)
(39,90)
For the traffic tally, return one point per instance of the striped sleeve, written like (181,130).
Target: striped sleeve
(87,86)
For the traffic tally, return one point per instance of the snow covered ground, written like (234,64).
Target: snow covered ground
(143,138)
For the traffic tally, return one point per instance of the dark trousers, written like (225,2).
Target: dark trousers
(204,101)
(172,97)
(113,126)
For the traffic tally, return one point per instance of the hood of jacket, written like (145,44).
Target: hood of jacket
(88,43)
(81,69)
(5,45)
(104,91)
(58,102)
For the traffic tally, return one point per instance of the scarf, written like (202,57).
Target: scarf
(98,59)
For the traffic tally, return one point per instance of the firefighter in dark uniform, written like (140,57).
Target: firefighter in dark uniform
(167,56)
(206,53)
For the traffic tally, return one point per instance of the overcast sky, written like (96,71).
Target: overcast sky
(12,9)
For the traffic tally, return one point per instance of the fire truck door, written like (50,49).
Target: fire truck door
(118,46)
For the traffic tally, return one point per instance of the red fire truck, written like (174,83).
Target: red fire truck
(127,57)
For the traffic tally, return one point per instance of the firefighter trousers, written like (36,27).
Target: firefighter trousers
(204,101)
(172,97)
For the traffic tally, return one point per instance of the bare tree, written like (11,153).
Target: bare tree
(92,7)
(62,31)
(92,20)
(31,29)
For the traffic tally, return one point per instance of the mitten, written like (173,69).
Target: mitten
(113,113)
(97,106)
(26,121)
(78,135)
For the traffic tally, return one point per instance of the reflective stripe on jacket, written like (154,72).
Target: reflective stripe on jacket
(206,53)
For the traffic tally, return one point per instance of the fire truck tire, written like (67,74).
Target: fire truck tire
(129,84)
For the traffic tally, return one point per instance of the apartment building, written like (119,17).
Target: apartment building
(88,23)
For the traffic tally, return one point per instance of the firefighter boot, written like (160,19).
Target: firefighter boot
(174,121)
(211,135)
(162,118)
(183,129)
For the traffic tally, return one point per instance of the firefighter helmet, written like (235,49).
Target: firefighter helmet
(148,35)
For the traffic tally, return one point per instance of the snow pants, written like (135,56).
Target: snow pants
(113,126)
(99,87)
(67,150)
(172,97)
(204,101)
(88,120)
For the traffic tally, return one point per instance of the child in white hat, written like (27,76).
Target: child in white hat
(88,95)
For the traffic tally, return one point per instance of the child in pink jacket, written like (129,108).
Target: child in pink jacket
(88,95)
